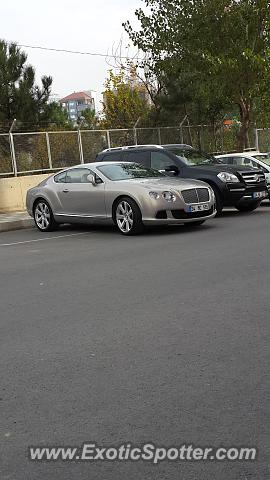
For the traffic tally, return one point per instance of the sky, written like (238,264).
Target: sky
(85,25)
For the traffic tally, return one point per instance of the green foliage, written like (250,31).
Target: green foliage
(124,102)
(20,97)
(54,116)
(210,55)
(88,119)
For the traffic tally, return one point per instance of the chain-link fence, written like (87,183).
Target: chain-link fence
(6,166)
(263,139)
(26,153)
(93,141)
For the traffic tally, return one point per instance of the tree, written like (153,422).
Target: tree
(88,119)
(54,116)
(124,102)
(221,45)
(20,97)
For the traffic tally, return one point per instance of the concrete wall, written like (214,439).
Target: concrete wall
(13,191)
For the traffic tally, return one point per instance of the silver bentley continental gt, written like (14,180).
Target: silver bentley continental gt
(126,194)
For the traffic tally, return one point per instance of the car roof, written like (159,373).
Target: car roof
(130,147)
(96,164)
(185,146)
(145,148)
(240,154)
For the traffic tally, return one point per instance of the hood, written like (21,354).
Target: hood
(166,183)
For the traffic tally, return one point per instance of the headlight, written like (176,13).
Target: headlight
(154,195)
(169,196)
(228,177)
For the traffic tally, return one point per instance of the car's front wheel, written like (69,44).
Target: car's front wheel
(43,216)
(128,217)
(248,207)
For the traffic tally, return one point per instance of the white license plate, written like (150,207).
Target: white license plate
(198,208)
(259,194)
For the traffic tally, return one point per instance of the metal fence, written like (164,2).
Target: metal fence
(27,153)
(263,139)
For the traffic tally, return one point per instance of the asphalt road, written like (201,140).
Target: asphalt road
(163,338)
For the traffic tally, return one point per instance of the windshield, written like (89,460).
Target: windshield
(265,158)
(126,171)
(194,157)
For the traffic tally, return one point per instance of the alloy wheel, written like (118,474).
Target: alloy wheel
(124,216)
(42,215)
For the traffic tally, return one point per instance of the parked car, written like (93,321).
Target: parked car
(127,194)
(241,187)
(250,159)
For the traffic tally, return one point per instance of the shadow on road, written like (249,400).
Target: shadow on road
(169,229)
(158,230)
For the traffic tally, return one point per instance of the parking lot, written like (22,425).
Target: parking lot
(162,337)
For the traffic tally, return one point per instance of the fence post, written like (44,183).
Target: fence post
(135,136)
(49,150)
(182,134)
(256,139)
(80,146)
(159,136)
(108,138)
(222,138)
(199,131)
(13,156)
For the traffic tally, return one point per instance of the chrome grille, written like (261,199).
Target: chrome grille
(190,196)
(195,195)
(203,194)
(253,177)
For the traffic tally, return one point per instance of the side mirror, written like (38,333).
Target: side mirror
(91,179)
(173,169)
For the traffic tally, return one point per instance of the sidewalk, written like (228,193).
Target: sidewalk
(15,221)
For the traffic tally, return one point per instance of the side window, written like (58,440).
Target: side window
(159,161)
(244,161)
(112,157)
(255,164)
(60,178)
(78,175)
(228,160)
(143,158)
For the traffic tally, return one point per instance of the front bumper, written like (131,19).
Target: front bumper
(179,216)
(233,194)
(160,212)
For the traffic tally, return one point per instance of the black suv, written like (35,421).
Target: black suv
(235,186)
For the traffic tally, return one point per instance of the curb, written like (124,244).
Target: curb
(16,224)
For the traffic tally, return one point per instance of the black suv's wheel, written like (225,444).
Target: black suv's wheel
(128,217)
(43,216)
(248,207)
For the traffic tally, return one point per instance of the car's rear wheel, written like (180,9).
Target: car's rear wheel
(43,216)
(248,207)
(128,217)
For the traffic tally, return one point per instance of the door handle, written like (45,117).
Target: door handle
(65,190)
